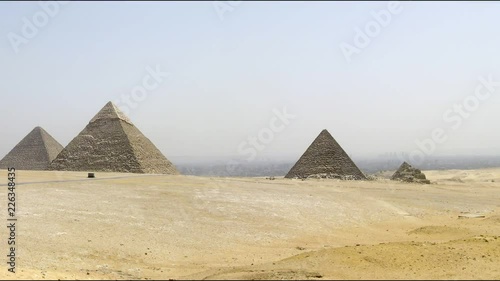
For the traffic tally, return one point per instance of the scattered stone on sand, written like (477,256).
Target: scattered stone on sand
(407,173)
(332,176)
(471,216)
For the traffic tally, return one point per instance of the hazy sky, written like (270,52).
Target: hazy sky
(230,67)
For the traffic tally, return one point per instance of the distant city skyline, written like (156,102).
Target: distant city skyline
(222,80)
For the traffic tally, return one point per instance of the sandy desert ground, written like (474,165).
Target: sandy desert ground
(122,226)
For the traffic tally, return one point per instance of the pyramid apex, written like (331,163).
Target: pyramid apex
(325,132)
(38,129)
(110,111)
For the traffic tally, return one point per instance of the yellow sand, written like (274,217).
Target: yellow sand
(121,226)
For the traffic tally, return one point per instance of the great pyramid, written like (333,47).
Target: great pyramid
(325,158)
(33,152)
(111,143)
(407,173)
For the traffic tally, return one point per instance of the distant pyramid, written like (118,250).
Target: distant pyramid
(111,143)
(34,152)
(325,158)
(407,173)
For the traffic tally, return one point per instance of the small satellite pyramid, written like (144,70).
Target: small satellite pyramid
(111,143)
(407,173)
(325,158)
(34,152)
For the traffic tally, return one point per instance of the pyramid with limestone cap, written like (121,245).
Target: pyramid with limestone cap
(325,158)
(33,152)
(110,112)
(111,143)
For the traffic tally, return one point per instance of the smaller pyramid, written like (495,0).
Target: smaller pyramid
(33,152)
(407,173)
(325,158)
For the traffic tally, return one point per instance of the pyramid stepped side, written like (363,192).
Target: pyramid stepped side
(325,156)
(52,147)
(408,173)
(101,146)
(402,169)
(149,157)
(33,152)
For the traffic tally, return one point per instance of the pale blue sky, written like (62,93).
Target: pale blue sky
(226,76)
